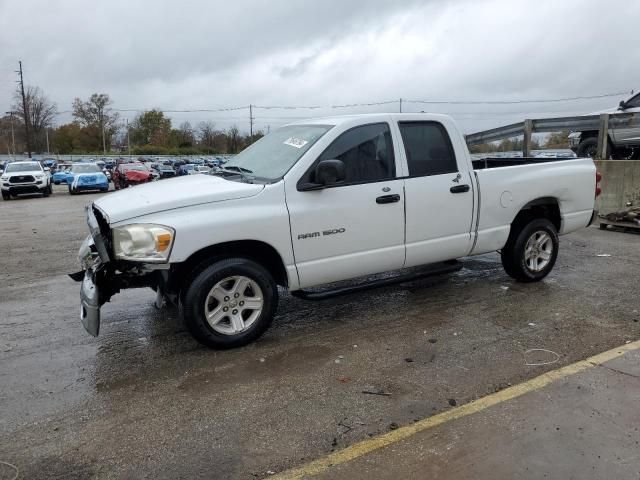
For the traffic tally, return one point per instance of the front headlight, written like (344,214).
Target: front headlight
(142,242)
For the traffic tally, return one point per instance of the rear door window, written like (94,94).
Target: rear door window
(428,148)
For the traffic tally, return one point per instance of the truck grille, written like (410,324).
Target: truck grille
(21,179)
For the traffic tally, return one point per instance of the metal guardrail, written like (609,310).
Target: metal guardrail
(602,123)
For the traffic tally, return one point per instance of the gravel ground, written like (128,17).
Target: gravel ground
(144,400)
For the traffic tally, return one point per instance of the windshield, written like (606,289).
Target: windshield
(86,169)
(273,155)
(23,167)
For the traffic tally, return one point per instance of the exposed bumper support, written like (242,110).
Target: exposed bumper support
(90,305)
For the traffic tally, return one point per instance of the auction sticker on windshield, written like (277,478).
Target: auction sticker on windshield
(295,142)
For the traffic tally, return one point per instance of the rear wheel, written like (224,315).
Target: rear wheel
(588,148)
(230,303)
(531,252)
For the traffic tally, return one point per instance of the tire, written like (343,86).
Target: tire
(57,183)
(47,191)
(524,257)
(207,293)
(6,195)
(588,148)
(72,191)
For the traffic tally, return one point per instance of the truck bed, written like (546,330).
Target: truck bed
(496,162)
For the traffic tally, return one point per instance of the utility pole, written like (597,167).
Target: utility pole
(104,143)
(46,133)
(251,121)
(13,137)
(128,140)
(401,105)
(25,111)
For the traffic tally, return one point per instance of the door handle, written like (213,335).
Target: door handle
(460,188)
(388,198)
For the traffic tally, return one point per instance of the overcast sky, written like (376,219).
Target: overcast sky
(206,54)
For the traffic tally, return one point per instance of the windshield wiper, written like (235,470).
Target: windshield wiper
(237,168)
(239,171)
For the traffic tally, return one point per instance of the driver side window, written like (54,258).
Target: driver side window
(367,153)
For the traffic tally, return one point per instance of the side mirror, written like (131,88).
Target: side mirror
(47,169)
(327,173)
(330,172)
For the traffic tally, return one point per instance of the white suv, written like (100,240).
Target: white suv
(25,177)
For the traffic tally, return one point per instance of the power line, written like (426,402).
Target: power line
(366,104)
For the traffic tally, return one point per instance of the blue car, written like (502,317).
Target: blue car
(61,174)
(86,176)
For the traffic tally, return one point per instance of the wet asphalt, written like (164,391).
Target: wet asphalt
(144,400)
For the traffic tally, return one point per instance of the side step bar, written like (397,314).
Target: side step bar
(431,271)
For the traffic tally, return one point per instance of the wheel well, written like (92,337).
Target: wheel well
(255,250)
(588,134)
(546,207)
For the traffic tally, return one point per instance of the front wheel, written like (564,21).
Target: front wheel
(531,252)
(230,303)
(6,195)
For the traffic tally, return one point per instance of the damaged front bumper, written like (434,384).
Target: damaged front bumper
(102,278)
(90,304)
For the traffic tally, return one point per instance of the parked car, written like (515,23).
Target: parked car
(85,177)
(129,174)
(51,164)
(199,169)
(164,171)
(624,143)
(185,169)
(25,177)
(62,174)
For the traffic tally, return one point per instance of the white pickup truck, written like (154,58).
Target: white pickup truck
(321,201)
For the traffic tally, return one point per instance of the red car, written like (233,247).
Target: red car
(128,174)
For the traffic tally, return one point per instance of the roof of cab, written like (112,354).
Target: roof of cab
(340,119)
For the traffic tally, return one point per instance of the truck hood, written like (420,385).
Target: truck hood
(170,194)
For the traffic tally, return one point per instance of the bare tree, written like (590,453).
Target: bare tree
(233,139)
(186,135)
(207,133)
(41,112)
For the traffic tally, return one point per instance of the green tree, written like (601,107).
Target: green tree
(151,128)
(66,138)
(97,118)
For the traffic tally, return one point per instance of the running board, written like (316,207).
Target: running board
(432,271)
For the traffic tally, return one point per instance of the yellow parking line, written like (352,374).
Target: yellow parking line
(366,446)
